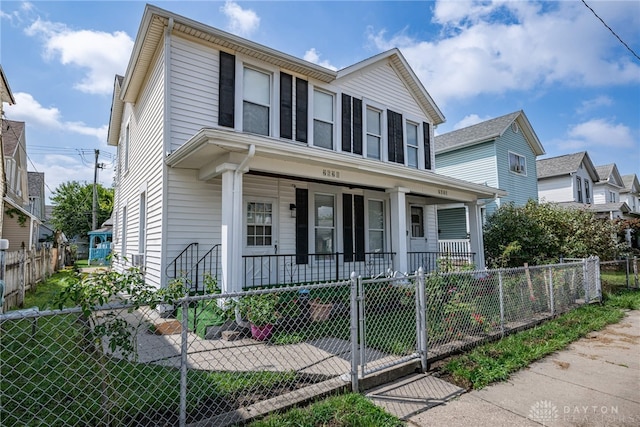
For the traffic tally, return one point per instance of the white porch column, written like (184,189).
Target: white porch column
(399,228)
(231,233)
(475,234)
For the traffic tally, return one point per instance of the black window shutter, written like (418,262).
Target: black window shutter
(347,226)
(286,106)
(394,133)
(227,90)
(346,123)
(358,211)
(302,226)
(357,126)
(302,100)
(427,144)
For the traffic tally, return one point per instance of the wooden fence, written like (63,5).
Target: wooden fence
(24,270)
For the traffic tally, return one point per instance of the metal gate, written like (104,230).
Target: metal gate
(391,322)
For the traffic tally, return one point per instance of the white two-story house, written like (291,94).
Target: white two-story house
(260,168)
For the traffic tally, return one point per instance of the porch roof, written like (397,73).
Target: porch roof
(211,151)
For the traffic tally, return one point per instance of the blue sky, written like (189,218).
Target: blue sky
(576,82)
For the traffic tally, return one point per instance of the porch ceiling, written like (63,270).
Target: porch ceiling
(211,150)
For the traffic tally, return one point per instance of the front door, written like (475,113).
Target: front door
(260,261)
(417,236)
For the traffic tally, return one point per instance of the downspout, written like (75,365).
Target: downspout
(166,143)
(237,192)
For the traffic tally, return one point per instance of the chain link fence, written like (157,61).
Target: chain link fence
(620,273)
(219,359)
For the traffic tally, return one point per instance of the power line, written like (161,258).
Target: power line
(612,32)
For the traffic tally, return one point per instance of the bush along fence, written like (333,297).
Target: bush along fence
(23,271)
(220,359)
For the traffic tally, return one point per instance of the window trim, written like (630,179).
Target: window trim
(366,104)
(587,191)
(274,98)
(419,142)
(579,189)
(312,117)
(514,169)
(274,223)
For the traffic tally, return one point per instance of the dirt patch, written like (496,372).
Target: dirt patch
(561,364)
(169,327)
(589,356)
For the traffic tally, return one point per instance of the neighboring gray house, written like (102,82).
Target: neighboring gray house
(36,204)
(262,168)
(630,193)
(500,153)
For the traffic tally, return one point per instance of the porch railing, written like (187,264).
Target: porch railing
(285,269)
(440,261)
(454,245)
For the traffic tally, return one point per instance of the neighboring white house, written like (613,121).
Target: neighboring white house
(631,192)
(262,168)
(572,180)
(567,178)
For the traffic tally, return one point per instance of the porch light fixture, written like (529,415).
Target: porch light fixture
(292,209)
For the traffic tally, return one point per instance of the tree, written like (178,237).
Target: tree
(73,207)
(537,233)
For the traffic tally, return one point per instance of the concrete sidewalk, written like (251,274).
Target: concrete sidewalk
(594,382)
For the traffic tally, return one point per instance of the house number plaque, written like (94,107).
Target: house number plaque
(331,173)
(442,192)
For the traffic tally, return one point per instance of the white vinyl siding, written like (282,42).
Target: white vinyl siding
(382,83)
(145,120)
(193,89)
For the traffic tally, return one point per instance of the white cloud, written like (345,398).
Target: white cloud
(242,22)
(29,110)
(469,120)
(596,134)
(100,54)
(595,103)
(313,56)
(495,47)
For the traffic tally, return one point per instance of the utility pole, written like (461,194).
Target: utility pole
(94,222)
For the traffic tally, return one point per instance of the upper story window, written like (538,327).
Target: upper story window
(256,104)
(412,145)
(587,191)
(579,189)
(374,132)
(612,197)
(323,119)
(517,163)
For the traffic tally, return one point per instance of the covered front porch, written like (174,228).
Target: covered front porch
(291,214)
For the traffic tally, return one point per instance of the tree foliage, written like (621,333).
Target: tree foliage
(541,232)
(73,207)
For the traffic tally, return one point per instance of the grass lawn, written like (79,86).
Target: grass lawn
(496,361)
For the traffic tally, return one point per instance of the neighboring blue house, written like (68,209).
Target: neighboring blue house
(500,153)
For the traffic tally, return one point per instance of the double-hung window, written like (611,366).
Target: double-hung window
(579,189)
(412,145)
(517,163)
(256,105)
(323,119)
(374,133)
(587,191)
(376,226)
(325,223)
